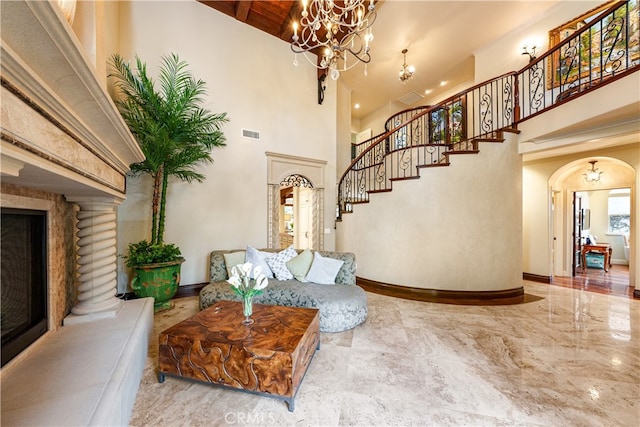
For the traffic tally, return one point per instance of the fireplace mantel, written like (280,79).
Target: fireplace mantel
(61,132)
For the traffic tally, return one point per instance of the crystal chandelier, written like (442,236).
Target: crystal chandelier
(334,30)
(592,175)
(406,72)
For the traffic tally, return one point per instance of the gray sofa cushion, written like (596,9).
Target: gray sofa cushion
(342,306)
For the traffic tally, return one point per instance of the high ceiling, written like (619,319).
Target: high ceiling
(440,36)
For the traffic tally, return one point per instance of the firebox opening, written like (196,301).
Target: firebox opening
(23,281)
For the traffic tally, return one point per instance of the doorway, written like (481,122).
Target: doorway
(295,201)
(581,210)
(602,217)
(295,222)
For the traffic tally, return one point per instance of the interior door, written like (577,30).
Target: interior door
(577,233)
(304,219)
(556,230)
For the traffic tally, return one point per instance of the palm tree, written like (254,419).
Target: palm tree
(175,134)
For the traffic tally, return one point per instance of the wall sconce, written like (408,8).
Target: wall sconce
(593,174)
(531,51)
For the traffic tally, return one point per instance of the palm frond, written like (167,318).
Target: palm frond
(174,132)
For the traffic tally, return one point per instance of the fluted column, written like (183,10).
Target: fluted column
(97,260)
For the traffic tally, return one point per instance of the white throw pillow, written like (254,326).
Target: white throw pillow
(278,263)
(258,258)
(324,270)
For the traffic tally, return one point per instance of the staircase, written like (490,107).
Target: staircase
(426,137)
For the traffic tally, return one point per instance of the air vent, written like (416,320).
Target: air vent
(250,134)
(410,98)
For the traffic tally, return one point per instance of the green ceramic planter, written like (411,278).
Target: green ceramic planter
(159,281)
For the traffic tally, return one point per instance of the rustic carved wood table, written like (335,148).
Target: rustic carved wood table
(269,357)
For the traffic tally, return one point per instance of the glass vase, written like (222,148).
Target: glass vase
(247,309)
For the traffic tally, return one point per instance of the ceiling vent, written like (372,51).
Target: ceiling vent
(410,98)
(250,134)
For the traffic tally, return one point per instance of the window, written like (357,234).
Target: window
(400,136)
(619,209)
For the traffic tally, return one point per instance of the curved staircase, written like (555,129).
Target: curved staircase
(461,231)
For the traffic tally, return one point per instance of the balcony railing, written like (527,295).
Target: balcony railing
(606,49)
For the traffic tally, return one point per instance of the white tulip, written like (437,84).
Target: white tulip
(235,271)
(234,281)
(261,282)
(257,271)
(246,268)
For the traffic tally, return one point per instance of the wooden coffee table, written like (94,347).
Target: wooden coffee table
(269,357)
(603,248)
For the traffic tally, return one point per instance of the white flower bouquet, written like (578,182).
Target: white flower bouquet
(246,287)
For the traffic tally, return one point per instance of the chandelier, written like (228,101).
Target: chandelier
(334,30)
(592,175)
(406,72)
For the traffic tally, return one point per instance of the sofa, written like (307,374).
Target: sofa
(342,306)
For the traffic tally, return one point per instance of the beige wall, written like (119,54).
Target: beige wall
(456,228)
(343,123)
(250,76)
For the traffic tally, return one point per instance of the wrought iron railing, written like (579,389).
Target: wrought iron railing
(601,52)
(604,50)
(394,121)
(427,138)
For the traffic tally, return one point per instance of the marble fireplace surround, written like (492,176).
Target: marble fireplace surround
(66,150)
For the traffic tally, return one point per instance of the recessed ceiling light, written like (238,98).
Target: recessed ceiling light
(428,91)
(356,106)
(442,83)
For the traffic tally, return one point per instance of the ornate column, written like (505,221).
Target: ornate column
(97,259)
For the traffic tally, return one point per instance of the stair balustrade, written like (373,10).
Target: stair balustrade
(606,49)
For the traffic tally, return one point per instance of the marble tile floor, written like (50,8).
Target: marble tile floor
(568,358)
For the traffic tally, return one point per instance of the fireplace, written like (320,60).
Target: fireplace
(64,155)
(23,269)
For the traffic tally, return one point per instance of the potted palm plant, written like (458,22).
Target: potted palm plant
(176,136)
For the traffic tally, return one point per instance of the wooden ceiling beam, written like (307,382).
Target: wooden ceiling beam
(220,6)
(242,10)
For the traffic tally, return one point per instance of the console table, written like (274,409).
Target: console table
(603,248)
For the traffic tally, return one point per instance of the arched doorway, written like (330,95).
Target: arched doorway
(296,213)
(579,211)
(296,202)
